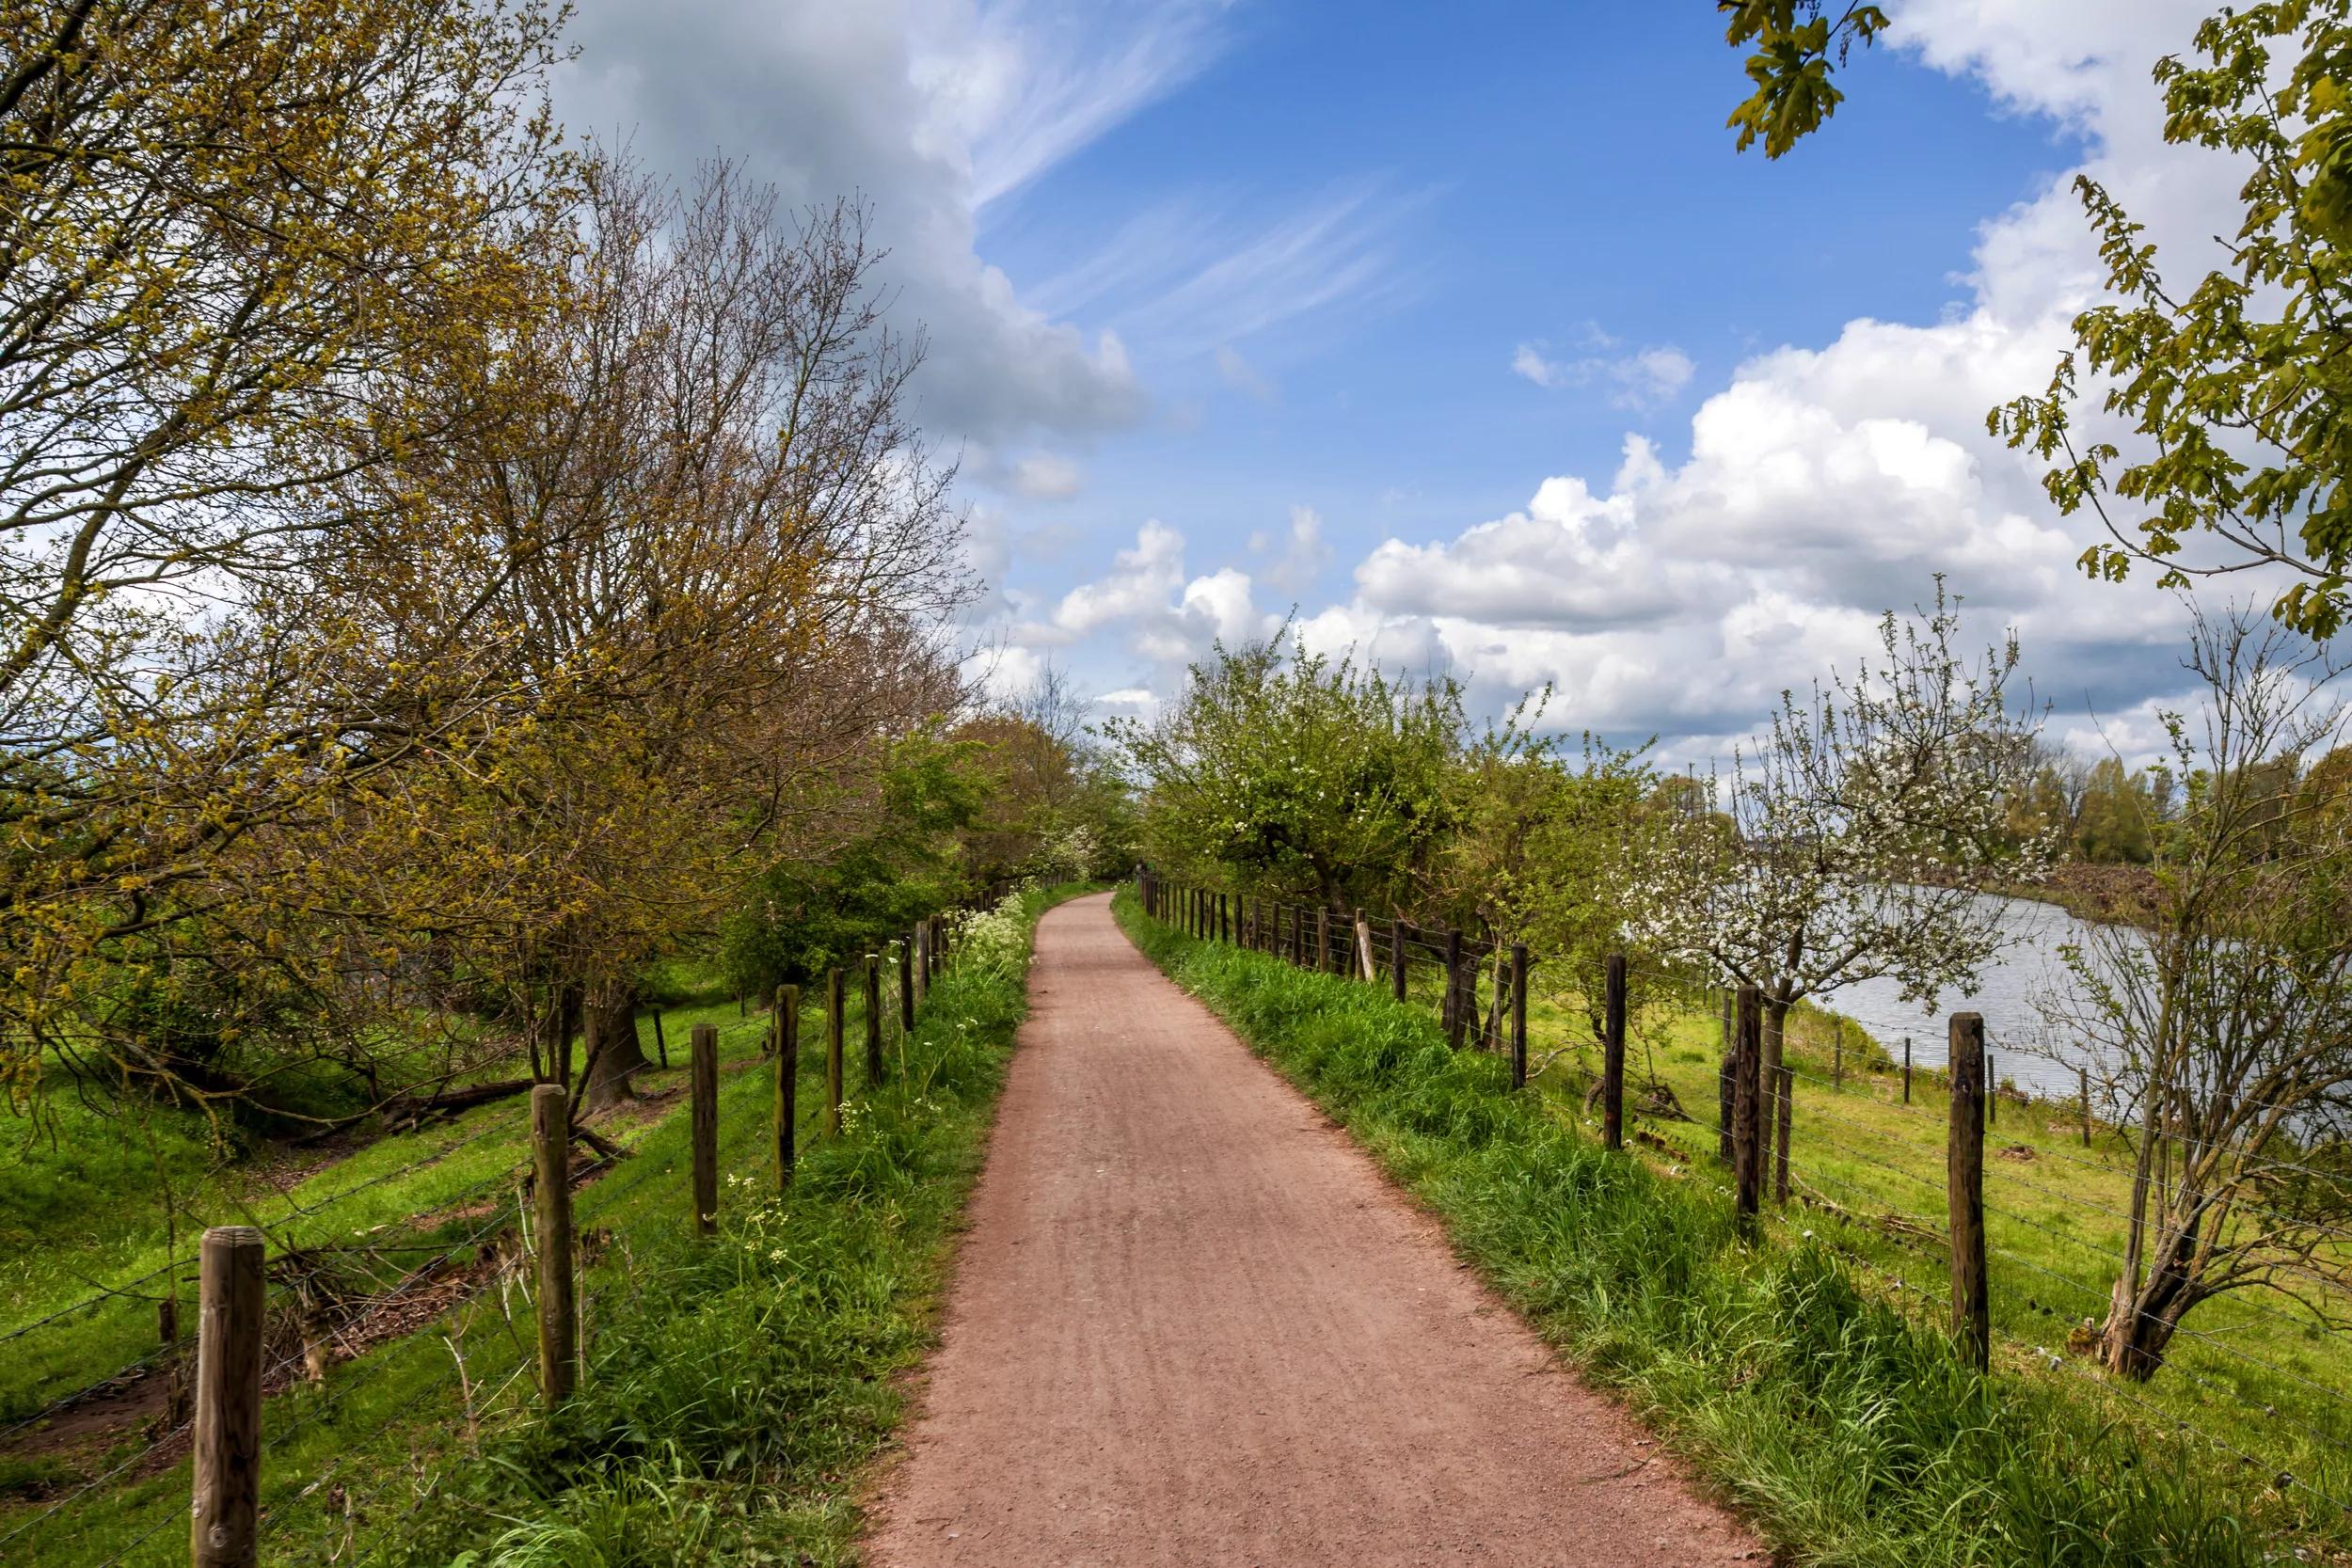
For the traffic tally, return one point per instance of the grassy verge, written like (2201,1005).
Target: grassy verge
(1839,1425)
(733,1388)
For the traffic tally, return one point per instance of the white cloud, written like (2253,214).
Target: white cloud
(1528,361)
(1644,379)
(1191,275)
(1302,554)
(1147,604)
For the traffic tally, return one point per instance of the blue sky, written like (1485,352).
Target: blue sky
(1507,174)
(1463,329)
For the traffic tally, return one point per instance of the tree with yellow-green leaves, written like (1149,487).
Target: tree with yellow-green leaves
(246,252)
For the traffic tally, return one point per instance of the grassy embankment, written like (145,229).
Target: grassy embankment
(733,1388)
(1809,1376)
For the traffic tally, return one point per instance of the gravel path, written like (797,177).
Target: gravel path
(1193,1324)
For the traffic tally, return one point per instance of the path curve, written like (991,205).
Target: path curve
(1192,1323)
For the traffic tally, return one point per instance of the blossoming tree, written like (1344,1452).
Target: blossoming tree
(1856,836)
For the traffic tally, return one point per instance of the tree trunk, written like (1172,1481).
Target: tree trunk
(613,1052)
(2140,1323)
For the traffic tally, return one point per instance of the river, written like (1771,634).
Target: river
(2026,968)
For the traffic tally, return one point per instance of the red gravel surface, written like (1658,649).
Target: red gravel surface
(1193,1324)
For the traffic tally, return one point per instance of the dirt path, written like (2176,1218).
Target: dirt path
(1193,1324)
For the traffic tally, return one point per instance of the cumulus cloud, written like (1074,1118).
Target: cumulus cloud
(1148,604)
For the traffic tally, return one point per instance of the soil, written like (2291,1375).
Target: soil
(1191,1322)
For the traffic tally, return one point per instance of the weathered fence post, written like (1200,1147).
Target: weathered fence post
(1363,948)
(1972,1302)
(1747,1108)
(1784,1104)
(1322,940)
(920,960)
(1837,1058)
(1906,1070)
(705,1128)
(1726,1079)
(1397,956)
(1519,1015)
(660,1043)
(787,1081)
(223,1512)
(1457,1015)
(1992,1094)
(873,1019)
(551,1206)
(1613,1053)
(833,1052)
(2082,1075)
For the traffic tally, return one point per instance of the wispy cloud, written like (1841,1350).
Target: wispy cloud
(1022,85)
(1188,277)
(1644,378)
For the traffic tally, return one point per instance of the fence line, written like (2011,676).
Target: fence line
(1481,999)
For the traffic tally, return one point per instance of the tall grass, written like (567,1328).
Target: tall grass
(1845,1434)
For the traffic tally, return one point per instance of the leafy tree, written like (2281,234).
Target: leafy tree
(2117,821)
(1286,772)
(802,917)
(1795,46)
(2234,386)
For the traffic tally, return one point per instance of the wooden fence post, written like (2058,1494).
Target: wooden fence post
(1747,1108)
(1726,1077)
(1371,970)
(1457,1011)
(224,1510)
(1784,1104)
(832,1054)
(1322,940)
(1906,1070)
(1837,1058)
(918,940)
(873,1019)
(2082,1075)
(1972,1302)
(660,1043)
(1613,1053)
(905,989)
(1992,1094)
(705,1128)
(551,1209)
(1519,1015)
(787,1081)
(1397,956)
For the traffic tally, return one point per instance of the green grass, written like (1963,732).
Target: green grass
(1817,1398)
(732,1388)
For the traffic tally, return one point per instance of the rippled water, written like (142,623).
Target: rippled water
(2028,967)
